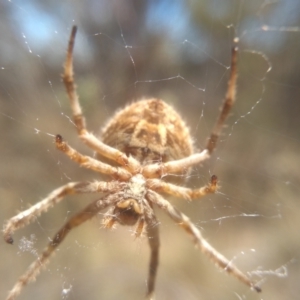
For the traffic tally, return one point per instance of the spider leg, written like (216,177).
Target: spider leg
(34,269)
(109,219)
(228,101)
(89,162)
(140,227)
(176,166)
(178,191)
(153,239)
(128,163)
(29,215)
(216,257)
(158,170)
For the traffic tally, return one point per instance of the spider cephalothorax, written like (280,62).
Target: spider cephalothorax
(146,144)
(130,209)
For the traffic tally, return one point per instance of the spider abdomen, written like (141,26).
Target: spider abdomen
(150,131)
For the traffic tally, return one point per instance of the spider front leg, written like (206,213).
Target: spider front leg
(216,257)
(153,239)
(30,214)
(86,214)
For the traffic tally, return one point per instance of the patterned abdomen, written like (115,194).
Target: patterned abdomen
(149,130)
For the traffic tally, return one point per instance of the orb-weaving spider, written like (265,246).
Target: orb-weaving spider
(145,142)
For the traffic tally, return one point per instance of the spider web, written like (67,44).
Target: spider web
(178,51)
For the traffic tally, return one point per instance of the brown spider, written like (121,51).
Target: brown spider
(145,142)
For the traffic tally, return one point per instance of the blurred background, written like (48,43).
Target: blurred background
(178,51)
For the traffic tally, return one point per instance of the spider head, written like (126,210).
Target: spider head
(127,212)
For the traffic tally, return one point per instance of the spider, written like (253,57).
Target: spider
(144,143)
